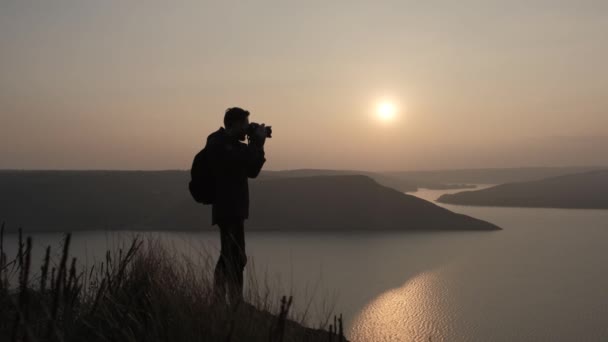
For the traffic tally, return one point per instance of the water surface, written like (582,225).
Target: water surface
(544,277)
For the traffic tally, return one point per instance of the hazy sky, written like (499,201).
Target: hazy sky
(140,84)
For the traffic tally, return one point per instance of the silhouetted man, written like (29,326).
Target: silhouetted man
(233,162)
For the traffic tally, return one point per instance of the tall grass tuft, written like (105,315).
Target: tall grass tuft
(141,293)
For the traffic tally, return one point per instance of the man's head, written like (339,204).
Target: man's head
(236,122)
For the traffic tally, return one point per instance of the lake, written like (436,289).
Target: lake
(543,278)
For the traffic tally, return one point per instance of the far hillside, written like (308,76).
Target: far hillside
(159,200)
(488,175)
(588,190)
(401,183)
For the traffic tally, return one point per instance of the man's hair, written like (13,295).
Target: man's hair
(233,115)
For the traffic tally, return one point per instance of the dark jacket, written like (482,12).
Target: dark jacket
(233,162)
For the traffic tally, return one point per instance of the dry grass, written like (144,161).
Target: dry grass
(140,293)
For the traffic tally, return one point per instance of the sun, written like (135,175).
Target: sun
(386,111)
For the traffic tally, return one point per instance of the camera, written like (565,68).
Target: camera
(253,126)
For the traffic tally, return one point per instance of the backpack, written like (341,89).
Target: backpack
(202,181)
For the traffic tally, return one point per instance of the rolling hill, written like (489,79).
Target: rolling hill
(581,191)
(487,175)
(159,200)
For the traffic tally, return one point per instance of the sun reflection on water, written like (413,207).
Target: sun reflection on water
(412,312)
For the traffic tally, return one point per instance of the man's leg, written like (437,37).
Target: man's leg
(230,266)
(220,274)
(236,261)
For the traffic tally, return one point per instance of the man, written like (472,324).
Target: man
(233,162)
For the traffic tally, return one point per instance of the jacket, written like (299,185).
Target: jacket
(233,163)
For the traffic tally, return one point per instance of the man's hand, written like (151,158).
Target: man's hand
(260,134)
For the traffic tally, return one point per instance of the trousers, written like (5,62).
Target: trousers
(228,275)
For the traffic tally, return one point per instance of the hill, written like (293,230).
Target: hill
(348,202)
(582,191)
(486,176)
(146,200)
(402,183)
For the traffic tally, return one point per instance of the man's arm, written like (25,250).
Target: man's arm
(256,159)
(256,152)
(228,158)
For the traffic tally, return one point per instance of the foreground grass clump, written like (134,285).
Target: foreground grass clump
(140,293)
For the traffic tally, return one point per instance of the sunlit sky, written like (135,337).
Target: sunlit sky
(140,84)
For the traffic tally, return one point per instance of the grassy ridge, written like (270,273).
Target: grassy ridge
(140,293)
